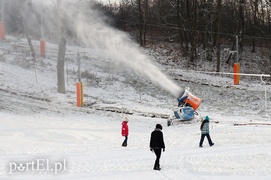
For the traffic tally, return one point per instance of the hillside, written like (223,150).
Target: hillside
(100,76)
(39,123)
(169,54)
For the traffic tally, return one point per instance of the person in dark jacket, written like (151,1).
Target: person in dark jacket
(157,144)
(125,131)
(204,127)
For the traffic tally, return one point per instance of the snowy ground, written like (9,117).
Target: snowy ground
(40,126)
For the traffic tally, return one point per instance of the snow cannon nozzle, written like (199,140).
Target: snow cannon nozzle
(185,98)
(180,94)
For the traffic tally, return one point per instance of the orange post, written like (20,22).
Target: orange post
(236,77)
(79,94)
(2,30)
(42,48)
(82,94)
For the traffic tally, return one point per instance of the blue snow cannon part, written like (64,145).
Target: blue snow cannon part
(188,113)
(184,114)
(181,99)
(177,116)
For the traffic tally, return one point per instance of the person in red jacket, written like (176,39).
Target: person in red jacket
(125,131)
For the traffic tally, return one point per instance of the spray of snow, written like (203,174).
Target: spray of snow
(119,47)
(91,30)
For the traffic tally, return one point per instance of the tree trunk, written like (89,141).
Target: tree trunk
(140,23)
(180,28)
(218,35)
(194,33)
(28,38)
(60,66)
(241,22)
(254,9)
(146,13)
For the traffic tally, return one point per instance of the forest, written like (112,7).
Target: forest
(209,25)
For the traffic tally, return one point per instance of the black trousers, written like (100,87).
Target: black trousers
(202,139)
(158,155)
(125,141)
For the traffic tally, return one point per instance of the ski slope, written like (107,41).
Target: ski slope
(51,138)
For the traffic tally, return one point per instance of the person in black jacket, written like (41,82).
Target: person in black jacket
(157,144)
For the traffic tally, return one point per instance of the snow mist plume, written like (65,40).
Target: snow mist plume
(91,30)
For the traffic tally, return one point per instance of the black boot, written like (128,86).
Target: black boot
(156,167)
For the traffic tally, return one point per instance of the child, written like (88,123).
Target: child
(125,131)
(205,132)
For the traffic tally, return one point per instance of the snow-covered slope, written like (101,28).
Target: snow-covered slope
(41,127)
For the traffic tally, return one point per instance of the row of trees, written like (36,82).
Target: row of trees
(195,23)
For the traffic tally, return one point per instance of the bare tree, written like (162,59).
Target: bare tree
(145,17)
(240,27)
(254,7)
(140,22)
(180,24)
(60,66)
(25,29)
(61,53)
(218,35)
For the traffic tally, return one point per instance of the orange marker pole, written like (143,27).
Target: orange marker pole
(79,94)
(236,69)
(2,30)
(42,48)
(82,94)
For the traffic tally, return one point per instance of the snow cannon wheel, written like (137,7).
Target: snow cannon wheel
(169,122)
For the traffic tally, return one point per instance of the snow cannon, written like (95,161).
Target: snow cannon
(188,99)
(185,113)
(186,110)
